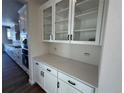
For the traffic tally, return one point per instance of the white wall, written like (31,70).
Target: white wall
(110,78)
(36,47)
(9,12)
(35,44)
(76,52)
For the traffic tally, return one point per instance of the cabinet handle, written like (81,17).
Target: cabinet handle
(72,83)
(37,64)
(68,37)
(48,70)
(57,84)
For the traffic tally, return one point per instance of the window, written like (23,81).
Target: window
(9,36)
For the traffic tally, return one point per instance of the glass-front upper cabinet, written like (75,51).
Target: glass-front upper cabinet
(47,17)
(86,20)
(47,21)
(74,21)
(62,19)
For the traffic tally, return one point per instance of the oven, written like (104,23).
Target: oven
(25,61)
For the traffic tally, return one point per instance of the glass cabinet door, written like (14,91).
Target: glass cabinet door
(85,20)
(62,20)
(47,23)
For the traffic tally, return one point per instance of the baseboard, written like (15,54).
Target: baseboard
(31,82)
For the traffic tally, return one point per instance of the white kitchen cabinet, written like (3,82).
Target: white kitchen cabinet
(47,19)
(38,74)
(54,81)
(41,77)
(35,72)
(62,19)
(65,88)
(14,53)
(72,21)
(75,83)
(86,21)
(50,82)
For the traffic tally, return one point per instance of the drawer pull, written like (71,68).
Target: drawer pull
(68,37)
(57,84)
(72,83)
(48,70)
(37,64)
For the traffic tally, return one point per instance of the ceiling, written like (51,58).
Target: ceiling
(9,11)
(10,8)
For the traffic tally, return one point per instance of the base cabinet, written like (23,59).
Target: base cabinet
(53,81)
(65,88)
(36,70)
(38,74)
(41,77)
(50,83)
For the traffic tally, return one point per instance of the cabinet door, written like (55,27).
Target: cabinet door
(62,19)
(36,72)
(65,88)
(87,18)
(41,77)
(50,83)
(47,21)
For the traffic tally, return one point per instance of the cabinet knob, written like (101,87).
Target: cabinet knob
(37,64)
(48,70)
(72,83)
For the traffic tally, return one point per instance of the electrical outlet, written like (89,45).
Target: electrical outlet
(55,48)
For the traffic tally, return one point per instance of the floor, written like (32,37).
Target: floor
(14,79)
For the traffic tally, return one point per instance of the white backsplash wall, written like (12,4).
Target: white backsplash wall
(83,53)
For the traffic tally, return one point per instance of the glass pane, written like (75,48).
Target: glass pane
(47,17)
(85,20)
(61,21)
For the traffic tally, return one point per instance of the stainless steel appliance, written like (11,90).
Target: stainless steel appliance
(25,61)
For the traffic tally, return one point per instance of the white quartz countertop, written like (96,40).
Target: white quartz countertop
(86,73)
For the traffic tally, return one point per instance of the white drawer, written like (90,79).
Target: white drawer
(51,70)
(78,85)
(39,64)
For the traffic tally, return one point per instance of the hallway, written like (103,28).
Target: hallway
(14,79)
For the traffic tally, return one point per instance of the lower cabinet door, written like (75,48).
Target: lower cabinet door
(41,77)
(36,72)
(50,83)
(65,88)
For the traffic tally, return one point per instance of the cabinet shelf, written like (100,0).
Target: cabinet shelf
(86,13)
(85,29)
(61,32)
(47,16)
(62,10)
(47,24)
(83,2)
(62,20)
